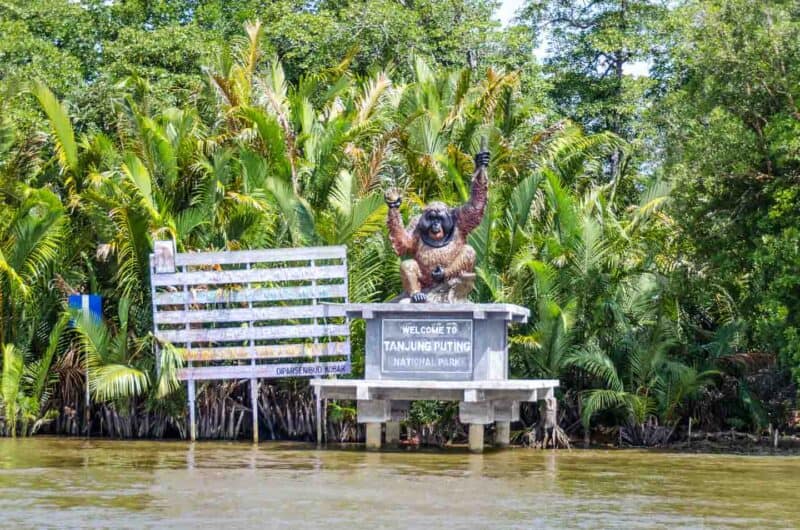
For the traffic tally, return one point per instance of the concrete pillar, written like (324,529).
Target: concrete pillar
(392,433)
(476,437)
(502,433)
(373,436)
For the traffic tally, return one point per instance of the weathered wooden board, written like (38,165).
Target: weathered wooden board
(272,351)
(249,315)
(177,336)
(254,275)
(261,256)
(216,305)
(265,370)
(245,295)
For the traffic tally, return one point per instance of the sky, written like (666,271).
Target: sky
(507,11)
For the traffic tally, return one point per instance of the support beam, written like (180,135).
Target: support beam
(374,411)
(192,422)
(373,441)
(392,433)
(480,412)
(254,405)
(502,433)
(476,437)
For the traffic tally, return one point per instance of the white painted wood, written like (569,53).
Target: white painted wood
(254,406)
(264,370)
(272,351)
(256,333)
(164,257)
(230,257)
(192,421)
(249,315)
(229,296)
(207,289)
(255,275)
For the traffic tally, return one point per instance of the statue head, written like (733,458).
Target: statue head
(436,225)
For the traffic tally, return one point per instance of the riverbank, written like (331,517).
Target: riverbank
(720,443)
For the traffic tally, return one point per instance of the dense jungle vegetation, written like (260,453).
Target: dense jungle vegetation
(648,221)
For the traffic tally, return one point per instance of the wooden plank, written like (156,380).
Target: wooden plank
(255,333)
(247,315)
(247,371)
(272,351)
(230,257)
(277,274)
(236,296)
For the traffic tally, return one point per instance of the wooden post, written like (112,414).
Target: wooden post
(318,399)
(254,404)
(373,437)
(88,406)
(253,382)
(192,423)
(319,417)
(476,437)
(689,439)
(551,422)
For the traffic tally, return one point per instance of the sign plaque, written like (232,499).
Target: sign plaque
(418,347)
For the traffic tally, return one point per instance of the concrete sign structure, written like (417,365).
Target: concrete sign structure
(452,352)
(434,344)
(417,348)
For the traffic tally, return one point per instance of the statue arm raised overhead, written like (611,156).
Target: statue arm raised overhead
(470,215)
(403,241)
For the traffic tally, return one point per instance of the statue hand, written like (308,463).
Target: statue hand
(437,274)
(392,198)
(482,159)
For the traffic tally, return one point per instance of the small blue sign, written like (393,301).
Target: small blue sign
(91,302)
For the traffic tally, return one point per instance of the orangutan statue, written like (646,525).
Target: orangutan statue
(441,262)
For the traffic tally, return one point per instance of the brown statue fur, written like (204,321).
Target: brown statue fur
(437,239)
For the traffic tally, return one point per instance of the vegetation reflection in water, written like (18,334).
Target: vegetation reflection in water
(138,484)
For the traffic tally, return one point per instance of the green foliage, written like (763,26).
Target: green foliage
(728,112)
(650,223)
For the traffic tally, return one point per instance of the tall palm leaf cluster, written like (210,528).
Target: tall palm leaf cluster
(259,162)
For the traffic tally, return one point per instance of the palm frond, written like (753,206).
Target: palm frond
(64,136)
(170,362)
(597,364)
(108,382)
(13,365)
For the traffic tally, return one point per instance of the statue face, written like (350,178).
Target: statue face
(436,225)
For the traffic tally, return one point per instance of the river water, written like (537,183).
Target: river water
(69,483)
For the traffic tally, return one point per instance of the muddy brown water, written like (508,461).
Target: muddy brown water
(69,483)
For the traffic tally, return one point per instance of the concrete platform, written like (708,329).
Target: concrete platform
(469,391)
(382,401)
